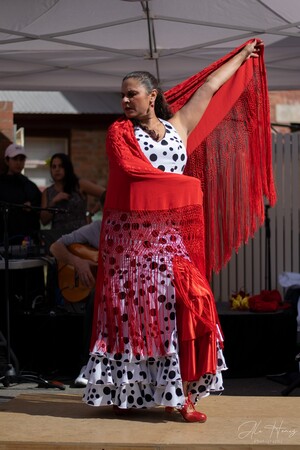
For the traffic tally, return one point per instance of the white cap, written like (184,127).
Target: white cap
(14,150)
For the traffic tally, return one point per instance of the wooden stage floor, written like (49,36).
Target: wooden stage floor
(62,422)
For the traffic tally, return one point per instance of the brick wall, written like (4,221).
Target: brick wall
(286,99)
(6,129)
(87,151)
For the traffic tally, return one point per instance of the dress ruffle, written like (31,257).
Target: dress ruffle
(129,382)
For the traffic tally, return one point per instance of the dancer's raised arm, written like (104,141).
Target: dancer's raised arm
(189,115)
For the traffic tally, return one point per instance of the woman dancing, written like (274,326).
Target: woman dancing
(156,337)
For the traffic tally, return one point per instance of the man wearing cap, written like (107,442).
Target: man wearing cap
(15,188)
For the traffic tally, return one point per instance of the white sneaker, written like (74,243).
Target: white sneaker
(81,380)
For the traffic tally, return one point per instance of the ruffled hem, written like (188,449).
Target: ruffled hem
(144,384)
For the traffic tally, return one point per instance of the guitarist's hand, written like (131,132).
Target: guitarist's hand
(85,270)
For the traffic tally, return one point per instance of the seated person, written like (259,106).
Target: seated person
(88,234)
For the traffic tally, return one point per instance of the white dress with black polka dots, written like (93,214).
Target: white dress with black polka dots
(169,154)
(141,381)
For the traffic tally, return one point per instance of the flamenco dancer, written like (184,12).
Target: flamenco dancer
(188,172)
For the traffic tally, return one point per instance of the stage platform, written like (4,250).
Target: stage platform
(62,422)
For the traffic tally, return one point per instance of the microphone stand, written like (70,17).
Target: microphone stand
(12,371)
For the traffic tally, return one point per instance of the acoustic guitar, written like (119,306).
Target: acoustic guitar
(69,283)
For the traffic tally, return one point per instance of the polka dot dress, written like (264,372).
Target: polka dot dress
(139,284)
(168,154)
(127,379)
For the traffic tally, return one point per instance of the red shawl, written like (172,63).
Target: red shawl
(215,206)
(230,151)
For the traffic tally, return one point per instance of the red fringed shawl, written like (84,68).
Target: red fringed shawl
(215,206)
(230,152)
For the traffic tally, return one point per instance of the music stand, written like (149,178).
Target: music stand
(12,372)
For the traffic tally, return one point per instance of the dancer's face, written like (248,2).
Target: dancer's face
(136,100)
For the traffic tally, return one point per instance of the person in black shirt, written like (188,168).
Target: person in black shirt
(23,225)
(15,188)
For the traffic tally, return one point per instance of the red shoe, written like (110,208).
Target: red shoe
(189,412)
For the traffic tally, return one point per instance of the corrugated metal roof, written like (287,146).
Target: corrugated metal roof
(67,102)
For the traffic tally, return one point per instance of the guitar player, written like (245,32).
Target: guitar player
(86,272)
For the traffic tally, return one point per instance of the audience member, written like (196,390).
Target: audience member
(23,225)
(17,189)
(69,193)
